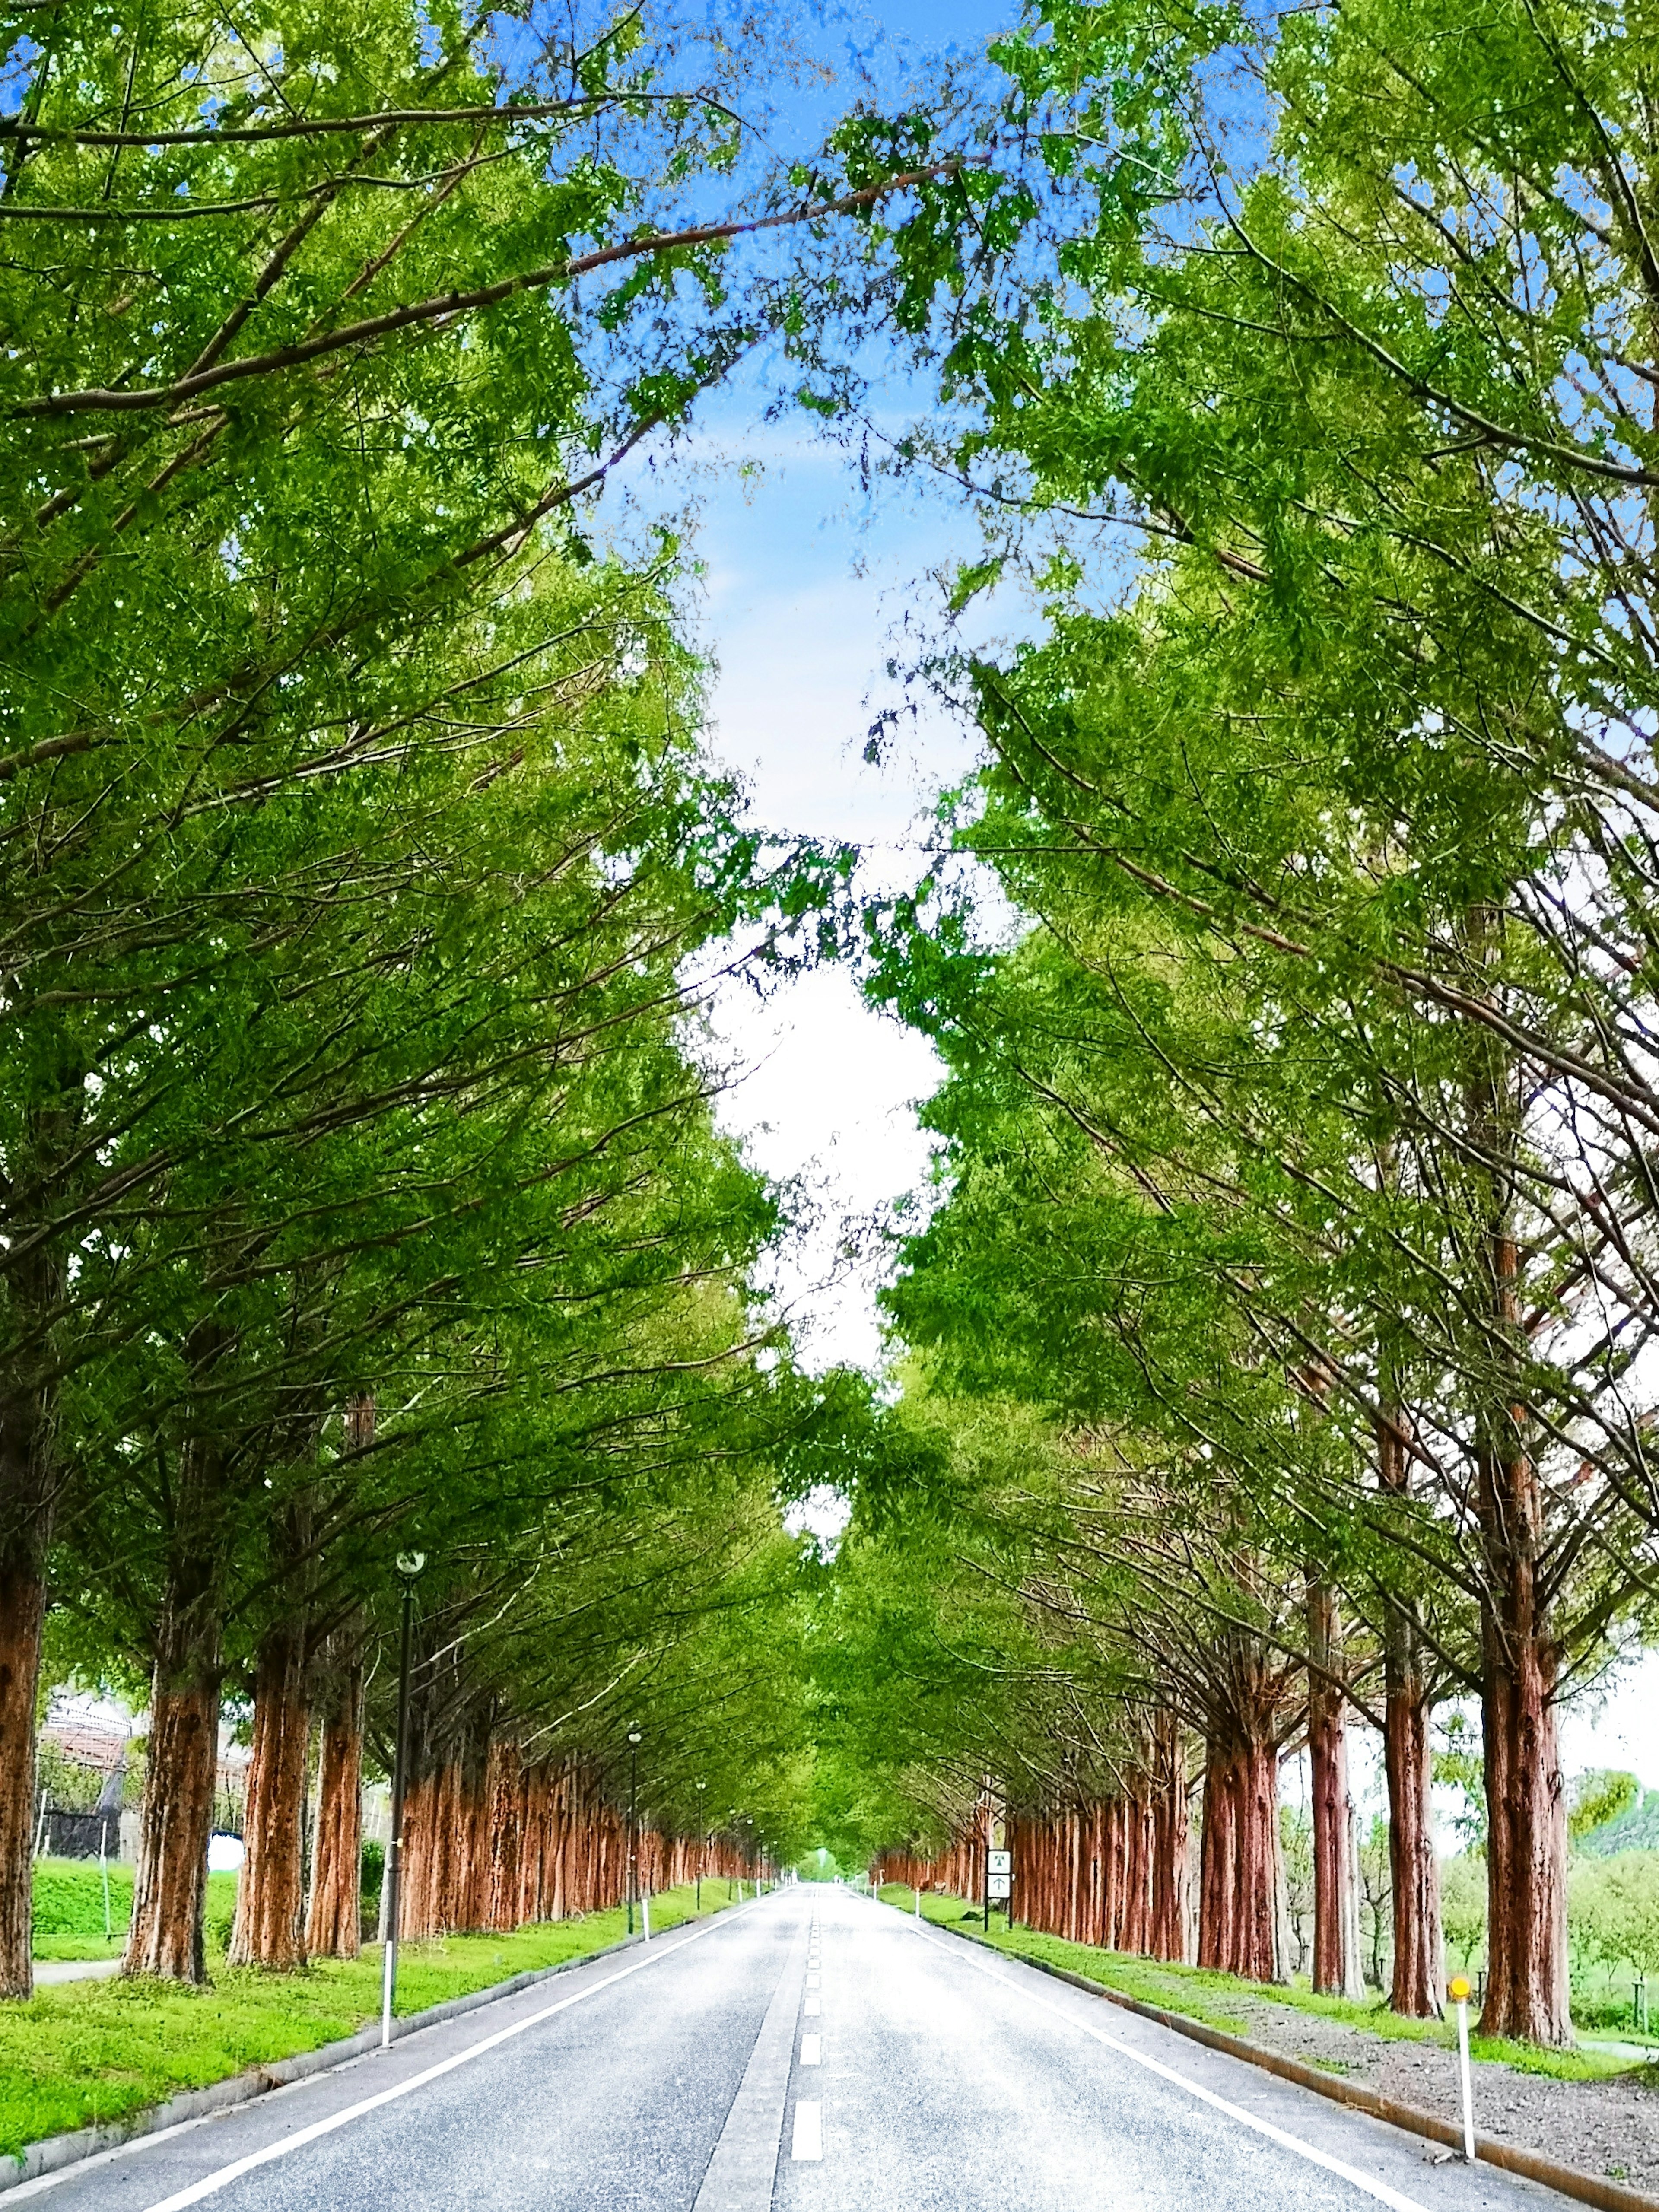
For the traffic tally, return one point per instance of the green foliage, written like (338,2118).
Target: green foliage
(1458,1764)
(1600,1797)
(1296,1856)
(1612,1908)
(1463,1909)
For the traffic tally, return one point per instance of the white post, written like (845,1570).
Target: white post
(646,1902)
(1459,1996)
(388,1975)
(918,1900)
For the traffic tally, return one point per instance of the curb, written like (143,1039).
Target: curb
(1567,2180)
(53,2153)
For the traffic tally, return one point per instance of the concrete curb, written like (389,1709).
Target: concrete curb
(1586,2188)
(53,2153)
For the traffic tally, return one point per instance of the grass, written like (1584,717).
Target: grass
(1213,1999)
(86,2052)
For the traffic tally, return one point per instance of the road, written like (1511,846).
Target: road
(813,2052)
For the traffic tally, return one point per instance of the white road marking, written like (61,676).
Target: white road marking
(811,2047)
(742,2174)
(1378,2190)
(812,2008)
(212,2183)
(808,2130)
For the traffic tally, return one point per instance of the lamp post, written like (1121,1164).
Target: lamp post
(632,1825)
(702,1842)
(410,1564)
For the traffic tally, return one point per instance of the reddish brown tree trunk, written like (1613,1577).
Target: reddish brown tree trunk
(1407,1759)
(1336,1970)
(1167,1936)
(271,1894)
(1238,1923)
(1135,1920)
(1217,1885)
(1526,1809)
(1527,1993)
(334,1924)
(167,1935)
(28,1490)
(1414,1864)
(505,1837)
(22,1611)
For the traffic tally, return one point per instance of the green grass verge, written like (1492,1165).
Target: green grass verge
(1198,1994)
(94,2052)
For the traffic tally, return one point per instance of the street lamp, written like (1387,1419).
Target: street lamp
(633,1824)
(410,1564)
(702,1842)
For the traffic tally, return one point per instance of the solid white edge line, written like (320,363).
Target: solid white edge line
(211,2184)
(1379,2189)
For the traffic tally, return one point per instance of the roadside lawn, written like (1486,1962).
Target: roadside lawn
(88,2052)
(1219,2000)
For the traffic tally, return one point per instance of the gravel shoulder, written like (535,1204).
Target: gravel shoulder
(1608,2128)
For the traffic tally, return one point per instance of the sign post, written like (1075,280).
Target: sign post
(1459,1993)
(999,1884)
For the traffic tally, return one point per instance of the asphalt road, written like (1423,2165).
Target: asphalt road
(814,2052)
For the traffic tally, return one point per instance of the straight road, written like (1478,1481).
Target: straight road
(814,2052)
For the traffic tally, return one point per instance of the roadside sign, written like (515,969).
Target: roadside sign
(1000,1862)
(999,1888)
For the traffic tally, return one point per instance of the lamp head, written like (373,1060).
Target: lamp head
(410,1564)
(634,1737)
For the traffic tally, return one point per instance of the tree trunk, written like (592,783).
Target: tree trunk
(1527,1994)
(1526,1804)
(334,1925)
(22,1611)
(167,1935)
(1238,1918)
(28,1496)
(1217,1883)
(270,1895)
(1167,1938)
(1419,1963)
(1419,1985)
(1336,1967)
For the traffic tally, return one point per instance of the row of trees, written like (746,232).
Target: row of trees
(1296,1161)
(361,876)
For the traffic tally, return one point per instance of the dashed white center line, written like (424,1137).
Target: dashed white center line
(812,2008)
(811,2046)
(808,2130)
